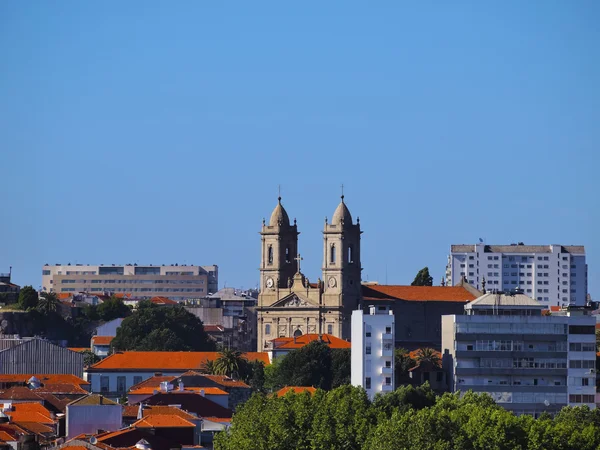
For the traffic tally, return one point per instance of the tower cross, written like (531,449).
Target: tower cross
(342,191)
(298,259)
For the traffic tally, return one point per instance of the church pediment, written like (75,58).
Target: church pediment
(293,300)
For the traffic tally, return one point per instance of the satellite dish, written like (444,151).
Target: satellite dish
(93,440)
(546,402)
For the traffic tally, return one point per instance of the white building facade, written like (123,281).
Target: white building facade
(372,351)
(528,362)
(177,282)
(556,275)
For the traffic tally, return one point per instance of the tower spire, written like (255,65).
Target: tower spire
(342,191)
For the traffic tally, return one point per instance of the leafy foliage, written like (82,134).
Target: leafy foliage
(159,328)
(48,303)
(409,418)
(230,363)
(89,358)
(423,278)
(429,355)
(112,308)
(28,298)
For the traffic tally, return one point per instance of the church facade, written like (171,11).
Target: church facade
(289,304)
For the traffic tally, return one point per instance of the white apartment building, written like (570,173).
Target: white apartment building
(372,351)
(528,362)
(556,275)
(177,282)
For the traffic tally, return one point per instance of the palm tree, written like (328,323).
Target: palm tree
(429,354)
(48,303)
(209,367)
(230,363)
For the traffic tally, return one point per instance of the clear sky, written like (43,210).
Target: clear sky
(157,132)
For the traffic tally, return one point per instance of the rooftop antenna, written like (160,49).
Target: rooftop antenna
(279,192)
(342,191)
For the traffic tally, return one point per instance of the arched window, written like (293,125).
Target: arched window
(287,255)
(329,329)
(297,333)
(270,252)
(349,254)
(267,329)
(332,253)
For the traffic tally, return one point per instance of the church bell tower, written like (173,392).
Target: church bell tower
(341,268)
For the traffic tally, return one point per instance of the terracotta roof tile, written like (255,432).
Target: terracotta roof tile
(78,350)
(295,389)
(6,437)
(130,410)
(163,421)
(167,411)
(44,378)
(150,390)
(414,354)
(190,402)
(35,427)
(417,293)
(102,340)
(128,437)
(218,419)
(61,388)
(30,412)
(154,381)
(93,399)
(163,301)
(157,361)
(214,328)
(226,381)
(19,393)
(289,343)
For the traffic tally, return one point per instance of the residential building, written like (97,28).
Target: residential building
(372,354)
(146,389)
(283,345)
(100,345)
(9,292)
(529,362)
(418,310)
(92,414)
(295,389)
(428,372)
(41,357)
(176,282)
(116,374)
(552,274)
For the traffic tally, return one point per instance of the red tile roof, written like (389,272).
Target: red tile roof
(150,390)
(78,350)
(415,353)
(163,421)
(157,361)
(128,437)
(154,381)
(190,402)
(6,437)
(20,393)
(61,388)
(130,410)
(102,340)
(214,328)
(163,301)
(30,412)
(417,293)
(295,389)
(167,410)
(289,343)
(225,381)
(44,378)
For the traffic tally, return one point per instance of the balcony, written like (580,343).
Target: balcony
(387,388)
(387,337)
(387,350)
(386,370)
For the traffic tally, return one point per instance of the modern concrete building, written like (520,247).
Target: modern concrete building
(528,362)
(372,351)
(556,275)
(175,282)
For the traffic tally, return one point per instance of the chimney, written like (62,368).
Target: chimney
(202,392)
(180,385)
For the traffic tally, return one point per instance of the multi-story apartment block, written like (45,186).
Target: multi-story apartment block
(556,275)
(372,351)
(175,282)
(528,362)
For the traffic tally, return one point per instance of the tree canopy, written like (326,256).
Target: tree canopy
(48,303)
(315,364)
(409,418)
(28,298)
(112,308)
(423,278)
(162,328)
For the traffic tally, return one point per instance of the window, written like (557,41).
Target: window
(270,253)
(495,258)
(121,384)
(368,350)
(582,347)
(267,329)
(388,330)
(462,265)
(368,334)
(287,255)
(388,364)
(439,377)
(104,383)
(471,266)
(388,381)
(332,254)
(471,274)
(137,379)
(506,266)
(582,329)
(329,328)
(368,383)
(471,257)
(45,272)
(349,254)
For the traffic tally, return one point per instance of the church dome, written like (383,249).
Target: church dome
(342,214)
(279,216)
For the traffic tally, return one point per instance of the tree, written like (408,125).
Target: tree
(430,355)
(89,358)
(48,303)
(340,367)
(28,298)
(307,366)
(159,328)
(257,379)
(230,363)
(208,367)
(113,308)
(423,278)
(402,364)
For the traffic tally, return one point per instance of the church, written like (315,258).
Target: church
(289,304)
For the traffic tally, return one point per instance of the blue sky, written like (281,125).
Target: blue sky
(157,132)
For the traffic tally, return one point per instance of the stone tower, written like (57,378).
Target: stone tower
(279,250)
(341,269)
